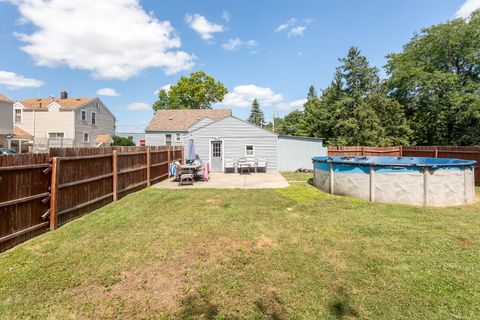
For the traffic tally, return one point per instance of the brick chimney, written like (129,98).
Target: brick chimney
(63,95)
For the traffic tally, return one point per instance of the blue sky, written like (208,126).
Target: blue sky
(272,50)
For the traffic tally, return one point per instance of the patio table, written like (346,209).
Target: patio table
(242,166)
(190,168)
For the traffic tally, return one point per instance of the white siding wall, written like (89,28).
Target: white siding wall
(297,152)
(105,123)
(235,134)
(200,124)
(40,123)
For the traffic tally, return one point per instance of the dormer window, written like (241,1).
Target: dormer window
(18,115)
(84,115)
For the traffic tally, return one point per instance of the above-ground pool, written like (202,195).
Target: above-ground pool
(410,180)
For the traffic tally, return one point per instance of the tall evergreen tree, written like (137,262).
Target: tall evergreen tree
(355,108)
(256,114)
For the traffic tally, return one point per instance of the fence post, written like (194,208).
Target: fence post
(168,161)
(115,175)
(148,167)
(436,152)
(53,194)
(363,151)
(401,151)
(182,162)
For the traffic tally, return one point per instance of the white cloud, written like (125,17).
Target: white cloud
(226,16)
(297,31)
(299,54)
(165,87)
(138,106)
(113,39)
(467,9)
(14,81)
(108,92)
(242,96)
(205,28)
(286,25)
(292,105)
(233,44)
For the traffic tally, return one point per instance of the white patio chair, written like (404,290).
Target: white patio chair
(261,164)
(229,165)
(251,162)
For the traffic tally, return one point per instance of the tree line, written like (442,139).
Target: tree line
(431,95)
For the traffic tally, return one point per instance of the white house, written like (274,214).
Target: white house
(6,124)
(218,136)
(76,122)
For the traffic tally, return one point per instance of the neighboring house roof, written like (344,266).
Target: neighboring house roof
(181,119)
(68,103)
(5,98)
(21,134)
(104,138)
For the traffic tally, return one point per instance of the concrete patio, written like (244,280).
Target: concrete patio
(270,180)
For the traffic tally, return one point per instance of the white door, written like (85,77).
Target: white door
(216,156)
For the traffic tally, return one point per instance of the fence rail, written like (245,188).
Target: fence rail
(467,153)
(39,192)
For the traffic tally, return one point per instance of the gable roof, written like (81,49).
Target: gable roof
(4,98)
(182,119)
(68,103)
(236,118)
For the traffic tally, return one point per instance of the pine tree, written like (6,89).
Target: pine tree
(256,114)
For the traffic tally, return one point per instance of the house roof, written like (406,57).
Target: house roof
(21,134)
(68,103)
(4,98)
(182,119)
(104,138)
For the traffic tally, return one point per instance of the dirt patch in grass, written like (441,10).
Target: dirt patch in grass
(163,286)
(265,241)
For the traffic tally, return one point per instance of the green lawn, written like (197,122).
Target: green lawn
(293,253)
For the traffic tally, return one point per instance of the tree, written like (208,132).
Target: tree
(122,141)
(292,124)
(197,91)
(256,114)
(355,109)
(436,78)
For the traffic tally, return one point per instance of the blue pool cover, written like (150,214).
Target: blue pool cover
(397,161)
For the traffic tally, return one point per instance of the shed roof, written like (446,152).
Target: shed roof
(182,119)
(68,103)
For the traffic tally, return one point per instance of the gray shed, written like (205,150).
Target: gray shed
(233,138)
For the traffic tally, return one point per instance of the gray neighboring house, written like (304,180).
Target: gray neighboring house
(218,135)
(65,122)
(6,120)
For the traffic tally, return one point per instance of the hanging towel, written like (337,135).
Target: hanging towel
(206,170)
(173,169)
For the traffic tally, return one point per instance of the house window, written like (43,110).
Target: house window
(249,150)
(94,118)
(178,137)
(18,115)
(130,138)
(168,139)
(56,136)
(98,104)
(84,115)
(86,137)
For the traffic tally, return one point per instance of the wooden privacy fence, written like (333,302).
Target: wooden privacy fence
(467,153)
(39,192)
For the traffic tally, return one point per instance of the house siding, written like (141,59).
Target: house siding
(105,123)
(235,134)
(200,124)
(6,121)
(297,152)
(40,122)
(158,138)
